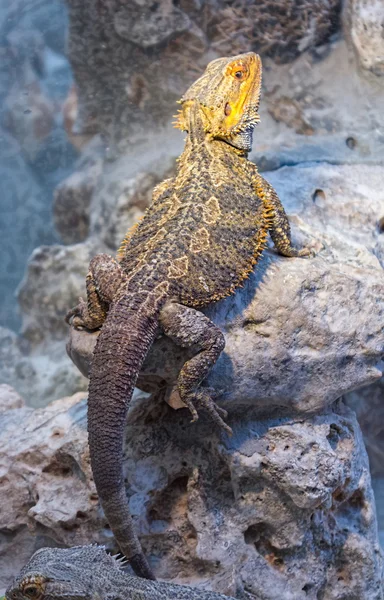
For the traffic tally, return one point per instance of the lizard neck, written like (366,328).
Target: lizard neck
(201,154)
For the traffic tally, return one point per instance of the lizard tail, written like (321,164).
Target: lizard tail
(125,338)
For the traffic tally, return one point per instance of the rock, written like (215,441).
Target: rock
(36,364)
(47,493)
(11,358)
(378,489)
(149,26)
(289,112)
(39,376)
(43,298)
(72,198)
(279,30)
(282,509)
(368,404)
(29,116)
(70,114)
(364,28)
(301,332)
(129,96)
(9,398)
(24,216)
(71,207)
(131,196)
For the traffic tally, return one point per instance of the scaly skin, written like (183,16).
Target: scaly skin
(197,242)
(88,573)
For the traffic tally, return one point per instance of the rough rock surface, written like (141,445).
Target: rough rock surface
(365,23)
(37,376)
(369,406)
(170,43)
(46,486)
(72,198)
(54,276)
(283,509)
(9,398)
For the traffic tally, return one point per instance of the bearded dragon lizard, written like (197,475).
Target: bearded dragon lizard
(197,242)
(89,573)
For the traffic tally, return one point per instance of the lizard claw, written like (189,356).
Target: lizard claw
(202,399)
(75,315)
(306,253)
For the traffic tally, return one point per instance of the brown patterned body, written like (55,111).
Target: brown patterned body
(197,242)
(206,229)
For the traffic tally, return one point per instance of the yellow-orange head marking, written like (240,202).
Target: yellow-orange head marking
(228,94)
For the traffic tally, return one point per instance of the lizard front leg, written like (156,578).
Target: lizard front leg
(188,327)
(280,229)
(105,275)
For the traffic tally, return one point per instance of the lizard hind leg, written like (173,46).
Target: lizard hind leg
(104,277)
(188,327)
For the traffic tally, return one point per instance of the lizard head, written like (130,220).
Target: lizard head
(64,574)
(228,95)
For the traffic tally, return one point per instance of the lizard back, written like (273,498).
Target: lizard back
(204,231)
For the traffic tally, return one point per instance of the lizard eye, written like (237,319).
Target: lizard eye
(237,71)
(240,72)
(32,591)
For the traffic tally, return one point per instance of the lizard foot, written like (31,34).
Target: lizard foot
(202,399)
(76,316)
(306,253)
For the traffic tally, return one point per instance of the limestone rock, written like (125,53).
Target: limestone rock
(71,208)
(369,407)
(9,398)
(378,489)
(12,365)
(34,154)
(119,204)
(72,198)
(364,27)
(283,509)
(47,493)
(280,29)
(38,376)
(368,404)
(129,96)
(43,298)
(150,25)
(24,216)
